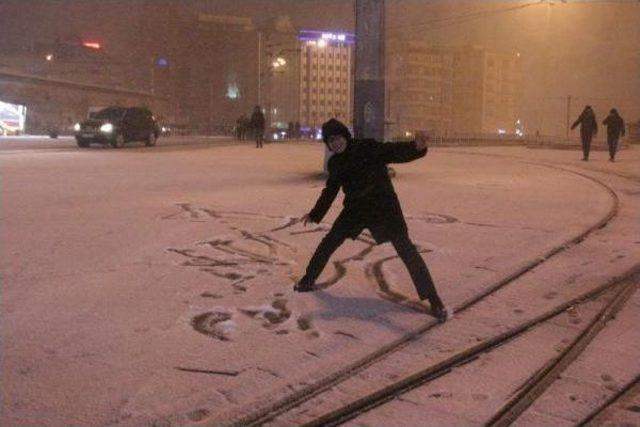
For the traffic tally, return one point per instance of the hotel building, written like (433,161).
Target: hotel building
(326,79)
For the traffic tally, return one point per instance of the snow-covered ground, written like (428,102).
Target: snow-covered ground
(146,282)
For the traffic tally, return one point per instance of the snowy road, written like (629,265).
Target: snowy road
(150,283)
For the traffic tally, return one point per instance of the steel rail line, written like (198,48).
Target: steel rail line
(540,381)
(592,419)
(533,387)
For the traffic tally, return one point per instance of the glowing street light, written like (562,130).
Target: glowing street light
(91,45)
(279,62)
(49,57)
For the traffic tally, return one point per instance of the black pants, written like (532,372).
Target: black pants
(586,145)
(406,250)
(259,140)
(612,141)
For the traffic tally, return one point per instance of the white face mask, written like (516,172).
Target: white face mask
(337,143)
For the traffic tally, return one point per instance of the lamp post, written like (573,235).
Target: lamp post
(278,64)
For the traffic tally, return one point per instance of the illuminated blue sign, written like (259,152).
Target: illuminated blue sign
(328,37)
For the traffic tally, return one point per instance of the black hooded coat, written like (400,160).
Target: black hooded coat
(588,124)
(370,200)
(615,125)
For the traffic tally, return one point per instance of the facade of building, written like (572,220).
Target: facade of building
(418,89)
(449,91)
(487,91)
(216,78)
(326,77)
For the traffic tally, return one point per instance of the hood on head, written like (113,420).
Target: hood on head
(335,127)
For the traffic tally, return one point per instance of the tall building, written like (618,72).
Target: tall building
(216,78)
(452,90)
(326,78)
(487,91)
(418,88)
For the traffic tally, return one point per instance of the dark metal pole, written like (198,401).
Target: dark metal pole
(368,105)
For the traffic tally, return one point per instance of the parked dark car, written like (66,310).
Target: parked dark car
(117,126)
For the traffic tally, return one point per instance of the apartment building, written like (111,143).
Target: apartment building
(487,91)
(418,88)
(326,79)
(452,90)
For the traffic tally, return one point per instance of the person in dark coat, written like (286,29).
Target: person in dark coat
(290,131)
(240,127)
(360,168)
(615,129)
(296,130)
(257,126)
(588,128)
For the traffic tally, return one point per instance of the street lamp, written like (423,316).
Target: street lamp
(279,65)
(279,62)
(159,62)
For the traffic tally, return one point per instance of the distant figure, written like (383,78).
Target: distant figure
(296,130)
(246,124)
(360,168)
(290,130)
(588,128)
(257,126)
(615,129)
(241,127)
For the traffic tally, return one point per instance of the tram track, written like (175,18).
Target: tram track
(527,393)
(597,417)
(261,414)
(541,380)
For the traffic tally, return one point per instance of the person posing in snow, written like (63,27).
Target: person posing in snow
(360,168)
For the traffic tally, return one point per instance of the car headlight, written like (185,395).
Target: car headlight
(76,127)
(106,128)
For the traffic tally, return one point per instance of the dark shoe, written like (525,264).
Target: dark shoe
(585,159)
(442,313)
(611,159)
(305,286)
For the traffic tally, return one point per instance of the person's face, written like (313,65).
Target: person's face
(337,143)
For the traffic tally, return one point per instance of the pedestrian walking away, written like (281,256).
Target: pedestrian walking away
(615,129)
(359,167)
(257,126)
(242,125)
(588,128)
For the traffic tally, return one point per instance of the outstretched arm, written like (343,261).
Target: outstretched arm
(577,122)
(325,200)
(403,152)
